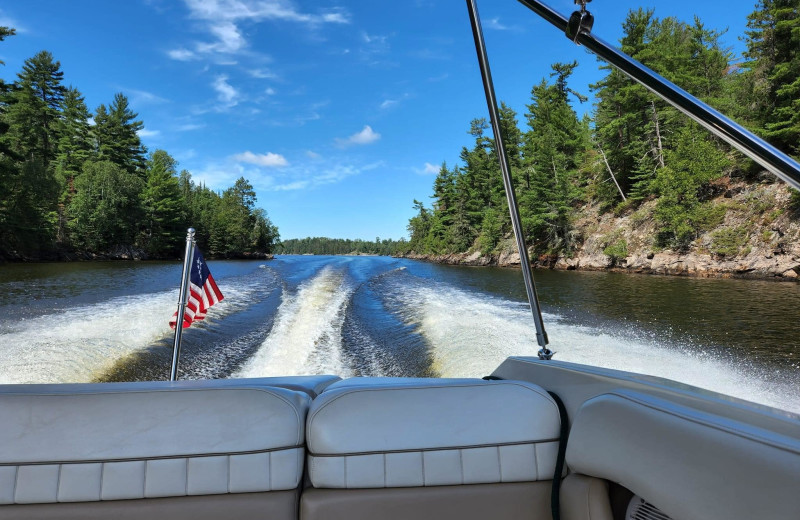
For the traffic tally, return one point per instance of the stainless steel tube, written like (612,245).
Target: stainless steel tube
(182,300)
(513,208)
(734,134)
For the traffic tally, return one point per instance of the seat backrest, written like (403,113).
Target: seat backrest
(363,435)
(96,444)
(683,460)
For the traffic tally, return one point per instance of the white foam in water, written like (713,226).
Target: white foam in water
(84,342)
(306,335)
(472,334)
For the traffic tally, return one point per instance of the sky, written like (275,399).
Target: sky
(338,112)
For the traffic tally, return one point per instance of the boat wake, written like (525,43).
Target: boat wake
(470,334)
(84,343)
(306,335)
(80,344)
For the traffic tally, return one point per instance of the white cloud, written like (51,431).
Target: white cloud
(142,97)
(223,17)
(430,169)
(313,155)
(494,23)
(335,17)
(188,127)
(148,133)
(270,91)
(365,136)
(259,10)
(268,160)
(5,21)
(311,177)
(262,74)
(306,175)
(226,93)
(389,103)
(229,39)
(377,39)
(181,54)
(296,185)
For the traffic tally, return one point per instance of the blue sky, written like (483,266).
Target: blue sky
(338,112)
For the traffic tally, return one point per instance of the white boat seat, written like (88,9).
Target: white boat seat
(396,444)
(96,444)
(691,465)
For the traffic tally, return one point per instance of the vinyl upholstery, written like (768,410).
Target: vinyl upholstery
(692,465)
(161,441)
(418,433)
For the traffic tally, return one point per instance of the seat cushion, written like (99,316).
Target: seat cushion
(98,442)
(690,464)
(438,432)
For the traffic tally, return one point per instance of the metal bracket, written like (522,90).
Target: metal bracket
(545,353)
(579,22)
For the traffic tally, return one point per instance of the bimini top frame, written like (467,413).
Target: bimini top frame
(578,29)
(734,134)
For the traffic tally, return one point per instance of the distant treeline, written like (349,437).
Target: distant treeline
(341,246)
(75,182)
(633,148)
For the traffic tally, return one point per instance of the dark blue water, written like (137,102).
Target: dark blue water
(385,316)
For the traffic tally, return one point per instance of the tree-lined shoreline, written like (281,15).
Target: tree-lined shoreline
(635,157)
(81,185)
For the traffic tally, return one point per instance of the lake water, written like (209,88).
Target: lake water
(80,322)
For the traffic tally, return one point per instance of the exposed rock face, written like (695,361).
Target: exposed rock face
(765,243)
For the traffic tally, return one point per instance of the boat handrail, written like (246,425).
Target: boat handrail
(508,183)
(777,162)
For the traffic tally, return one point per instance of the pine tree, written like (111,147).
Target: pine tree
(31,116)
(8,165)
(74,149)
(265,234)
(553,149)
(75,140)
(116,130)
(773,71)
(162,206)
(235,221)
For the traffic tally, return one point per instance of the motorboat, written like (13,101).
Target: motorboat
(538,438)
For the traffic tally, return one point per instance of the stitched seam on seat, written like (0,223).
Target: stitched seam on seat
(269,469)
(144,480)
(58,482)
(500,463)
(102,476)
(229,473)
(461,461)
(424,480)
(16,482)
(160,457)
(186,480)
(443,448)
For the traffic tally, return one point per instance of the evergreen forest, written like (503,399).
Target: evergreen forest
(77,184)
(341,246)
(633,147)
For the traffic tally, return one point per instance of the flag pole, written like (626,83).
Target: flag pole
(183,298)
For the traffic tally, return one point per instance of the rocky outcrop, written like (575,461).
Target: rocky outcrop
(758,237)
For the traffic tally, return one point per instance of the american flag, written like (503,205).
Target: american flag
(203,292)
